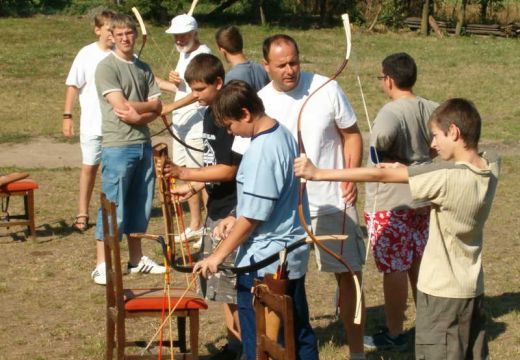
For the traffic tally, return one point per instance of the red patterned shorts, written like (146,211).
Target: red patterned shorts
(398,237)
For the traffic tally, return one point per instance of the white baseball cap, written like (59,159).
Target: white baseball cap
(182,24)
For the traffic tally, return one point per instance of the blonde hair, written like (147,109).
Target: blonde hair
(103,17)
(123,21)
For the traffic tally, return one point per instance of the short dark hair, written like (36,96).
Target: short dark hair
(277,39)
(463,114)
(229,38)
(401,68)
(232,98)
(103,17)
(204,67)
(123,21)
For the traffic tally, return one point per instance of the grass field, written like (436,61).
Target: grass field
(51,309)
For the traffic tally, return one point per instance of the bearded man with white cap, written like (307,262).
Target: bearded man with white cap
(186,121)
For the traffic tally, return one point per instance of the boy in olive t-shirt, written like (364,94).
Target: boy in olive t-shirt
(129,100)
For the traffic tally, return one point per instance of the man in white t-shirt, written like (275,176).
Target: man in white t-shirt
(332,139)
(81,81)
(186,121)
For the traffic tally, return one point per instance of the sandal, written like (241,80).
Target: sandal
(80,223)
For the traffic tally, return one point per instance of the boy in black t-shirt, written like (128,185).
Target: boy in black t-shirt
(205,76)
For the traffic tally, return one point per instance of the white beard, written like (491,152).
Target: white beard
(186,48)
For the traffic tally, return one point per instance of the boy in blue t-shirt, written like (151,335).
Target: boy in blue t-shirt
(267,219)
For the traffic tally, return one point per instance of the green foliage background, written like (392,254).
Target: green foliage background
(389,12)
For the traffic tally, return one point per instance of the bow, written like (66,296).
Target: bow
(144,34)
(167,126)
(192,7)
(171,208)
(301,148)
(375,160)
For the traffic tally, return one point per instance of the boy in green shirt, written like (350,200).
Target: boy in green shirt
(450,313)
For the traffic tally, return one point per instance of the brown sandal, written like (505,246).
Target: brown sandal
(80,223)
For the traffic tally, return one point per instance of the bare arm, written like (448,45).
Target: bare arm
(352,157)
(134,113)
(213,173)
(166,85)
(185,101)
(389,173)
(151,105)
(242,228)
(67,126)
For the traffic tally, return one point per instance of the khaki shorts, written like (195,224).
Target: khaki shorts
(351,250)
(447,328)
(183,156)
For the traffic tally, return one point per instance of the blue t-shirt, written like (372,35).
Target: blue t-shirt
(252,73)
(267,191)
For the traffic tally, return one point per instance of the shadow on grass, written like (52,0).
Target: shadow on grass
(211,348)
(44,233)
(499,305)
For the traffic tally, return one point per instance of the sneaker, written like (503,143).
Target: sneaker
(147,266)
(383,341)
(225,353)
(190,234)
(197,244)
(99,274)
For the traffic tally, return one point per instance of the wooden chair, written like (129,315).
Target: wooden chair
(26,189)
(130,303)
(266,302)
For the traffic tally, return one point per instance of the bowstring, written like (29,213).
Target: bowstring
(371,216)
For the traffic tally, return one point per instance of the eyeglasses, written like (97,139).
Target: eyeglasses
(381,77)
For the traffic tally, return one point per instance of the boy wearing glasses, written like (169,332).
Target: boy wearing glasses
(397,225)
(129,99)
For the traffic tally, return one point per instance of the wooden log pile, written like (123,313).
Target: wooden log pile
(509,30)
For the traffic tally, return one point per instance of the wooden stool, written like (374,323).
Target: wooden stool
(26,189)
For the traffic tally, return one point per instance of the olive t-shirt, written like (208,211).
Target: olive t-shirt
(137,83)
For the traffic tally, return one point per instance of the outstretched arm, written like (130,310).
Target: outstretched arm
(166,85)
(185,101)
(242,228)
(389,173)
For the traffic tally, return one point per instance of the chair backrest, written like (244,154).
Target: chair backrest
(267,302)
(114,275)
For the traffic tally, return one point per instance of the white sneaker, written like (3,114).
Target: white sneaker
(147,266)
(99,274)
(189,234)
(197,244)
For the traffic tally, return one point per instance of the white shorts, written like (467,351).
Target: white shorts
(352,250)
(90,148)
(183,156)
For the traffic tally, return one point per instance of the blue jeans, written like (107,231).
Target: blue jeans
(306,343)
(128,179)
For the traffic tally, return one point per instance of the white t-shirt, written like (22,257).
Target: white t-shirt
(326,110)
(187,121)
(81,75)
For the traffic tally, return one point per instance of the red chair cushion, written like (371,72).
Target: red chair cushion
(153,300)
(20,185)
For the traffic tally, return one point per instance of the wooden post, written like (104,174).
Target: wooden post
(424,17)
(461,17)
